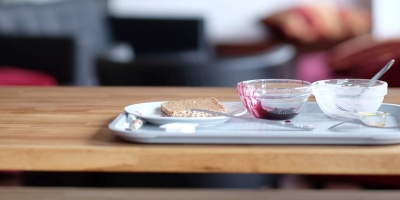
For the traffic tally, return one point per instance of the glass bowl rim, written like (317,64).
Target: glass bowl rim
(383,84)
(303,84)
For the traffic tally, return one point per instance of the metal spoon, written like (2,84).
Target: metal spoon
(372,81)
(360,122)
(305,127)
(377,76)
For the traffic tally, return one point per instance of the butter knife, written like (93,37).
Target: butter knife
(264,121)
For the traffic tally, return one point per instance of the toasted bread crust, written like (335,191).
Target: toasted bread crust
(181,108)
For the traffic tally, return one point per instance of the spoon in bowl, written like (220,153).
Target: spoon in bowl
(377,76)
(370,82)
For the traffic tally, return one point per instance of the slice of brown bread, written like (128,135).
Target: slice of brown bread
(181,108)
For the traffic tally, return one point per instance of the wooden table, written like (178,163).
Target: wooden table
(65,129)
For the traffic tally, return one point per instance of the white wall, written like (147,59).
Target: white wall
(386,15)
(226,20)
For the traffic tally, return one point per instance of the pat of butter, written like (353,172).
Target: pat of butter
(180,127)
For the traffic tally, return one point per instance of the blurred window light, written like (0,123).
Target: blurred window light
(385,15)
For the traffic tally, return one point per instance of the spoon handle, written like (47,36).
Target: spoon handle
(377,76)
(380,73)
(264,121)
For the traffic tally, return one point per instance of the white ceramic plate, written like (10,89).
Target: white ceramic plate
(151,112)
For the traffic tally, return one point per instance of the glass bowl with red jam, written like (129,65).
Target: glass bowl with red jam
(274,99)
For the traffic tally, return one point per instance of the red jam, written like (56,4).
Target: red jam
(274,113)
(255,108)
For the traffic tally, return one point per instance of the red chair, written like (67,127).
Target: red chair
(24,77)
(360,57)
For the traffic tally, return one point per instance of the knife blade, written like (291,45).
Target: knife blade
(264,121)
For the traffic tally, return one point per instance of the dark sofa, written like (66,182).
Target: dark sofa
(53,56)
(175,52)
(45,32)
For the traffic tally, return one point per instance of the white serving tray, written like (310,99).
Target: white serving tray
(236,131)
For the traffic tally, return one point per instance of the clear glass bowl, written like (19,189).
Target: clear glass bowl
(274,99)
(340,98)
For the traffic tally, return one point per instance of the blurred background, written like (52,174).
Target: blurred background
(194,43)
(133,42)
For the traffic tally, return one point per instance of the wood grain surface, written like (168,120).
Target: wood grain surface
(65,129)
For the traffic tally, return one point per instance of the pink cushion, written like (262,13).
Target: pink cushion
(313,67)
(19,76)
